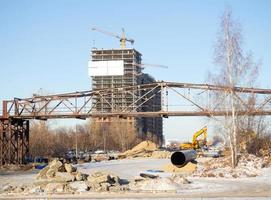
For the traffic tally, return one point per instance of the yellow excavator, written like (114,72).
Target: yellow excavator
(196,143)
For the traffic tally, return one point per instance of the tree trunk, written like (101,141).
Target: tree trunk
(234,134)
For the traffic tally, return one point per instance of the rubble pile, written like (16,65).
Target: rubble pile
(248,166)
(59,171)
(143,149)
(172,183)
(64,178)
(103,181)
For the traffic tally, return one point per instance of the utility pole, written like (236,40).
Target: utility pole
(76,143)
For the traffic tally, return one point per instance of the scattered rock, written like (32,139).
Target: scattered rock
(81,177)
(18,189)
(7,188)
(51,173)
(64,177)
(102,181)
(179,179)
(35,190)
(79,186)
(55,187)
(56,165)
(42,173)
(50,170)
(69,168)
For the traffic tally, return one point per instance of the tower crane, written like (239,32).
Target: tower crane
(142,65)
(121,38)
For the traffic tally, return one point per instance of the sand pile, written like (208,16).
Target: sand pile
(187,169)
(248,166)
(161,154)
(143,149)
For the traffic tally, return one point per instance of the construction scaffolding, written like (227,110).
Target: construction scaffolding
(130,75)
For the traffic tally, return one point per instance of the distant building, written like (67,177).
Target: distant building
(110,68)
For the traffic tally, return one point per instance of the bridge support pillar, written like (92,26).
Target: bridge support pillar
(14,141)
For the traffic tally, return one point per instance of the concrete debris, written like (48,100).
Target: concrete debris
(55,170)
(248,166)
(81,177)
(18,189)
(35,190)
(51,172)
(42,173)
(69,168)
(102,181)
(64,177)
(179,179)
(79,186)
(7,188)
(187,169)
(57,166)
(55,187)
(143,149)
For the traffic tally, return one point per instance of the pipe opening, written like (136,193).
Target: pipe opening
(178,159)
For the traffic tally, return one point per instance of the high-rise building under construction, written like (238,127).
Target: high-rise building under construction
(111,68)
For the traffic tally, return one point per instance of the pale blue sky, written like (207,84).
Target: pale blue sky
(46,44)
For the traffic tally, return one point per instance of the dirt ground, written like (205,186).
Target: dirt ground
(200,188)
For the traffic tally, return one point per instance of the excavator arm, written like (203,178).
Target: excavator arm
(195,141)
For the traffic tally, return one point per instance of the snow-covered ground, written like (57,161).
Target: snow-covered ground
(127,168)
(200,188)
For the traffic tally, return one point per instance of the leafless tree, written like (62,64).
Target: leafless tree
(235,68)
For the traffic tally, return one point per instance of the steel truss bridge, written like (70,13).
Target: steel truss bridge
(16,113)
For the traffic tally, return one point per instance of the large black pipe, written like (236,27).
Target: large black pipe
(181,158)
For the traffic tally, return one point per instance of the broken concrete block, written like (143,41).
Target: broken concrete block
(98,178)
(7,188)
(64,177)
(105,186)
(55,187)
(55,164)
(79,186)
(81,177)
(42,173)
(69,168)
(51,173)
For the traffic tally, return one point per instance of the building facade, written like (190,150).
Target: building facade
(111,68)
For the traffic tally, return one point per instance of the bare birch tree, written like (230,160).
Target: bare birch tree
(235,68)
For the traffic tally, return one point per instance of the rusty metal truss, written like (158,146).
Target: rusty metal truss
(190,100)
(80,104)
